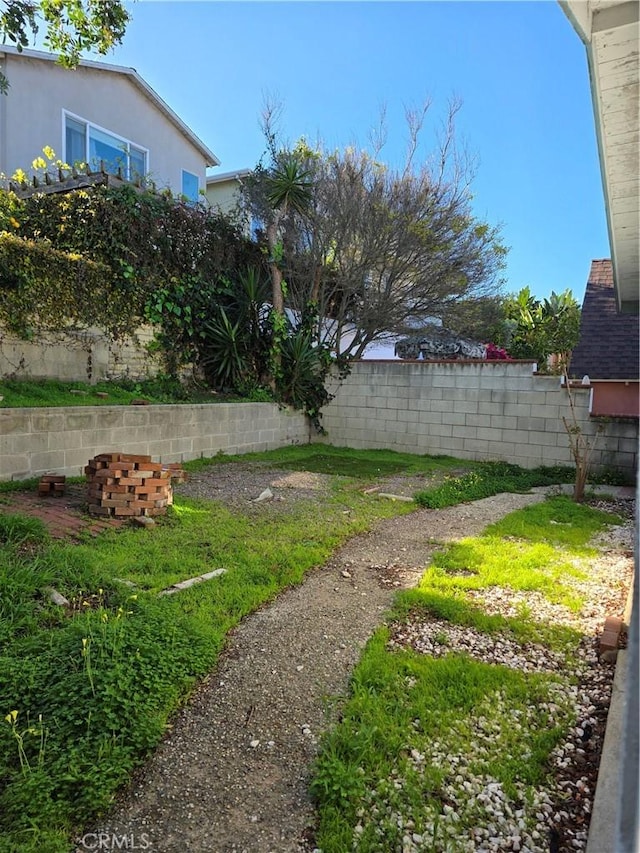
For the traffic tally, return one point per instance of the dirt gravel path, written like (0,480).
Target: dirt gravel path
(232,774)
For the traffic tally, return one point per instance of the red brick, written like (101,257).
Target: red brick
(95,509)
(613,623)
(106,457)
(117,490)
(155,467)
(136,458)
(102,474)
(608,641)
(116,502)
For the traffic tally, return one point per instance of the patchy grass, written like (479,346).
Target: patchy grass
(491,561)
(420,733)
(557,521)
(344,461)
(50,392)
(491,478)
(93,686)
(384,768)
(88,691)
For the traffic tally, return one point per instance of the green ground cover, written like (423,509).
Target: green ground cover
(385,771)
(94,687)
(18,393)
(344,461)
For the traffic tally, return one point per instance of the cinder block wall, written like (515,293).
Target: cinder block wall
(62,440)
(84,356)
(473,410)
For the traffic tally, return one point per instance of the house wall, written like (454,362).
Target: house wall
(31,117)
(83,357)
(62,440)
(223,195)
(473,410)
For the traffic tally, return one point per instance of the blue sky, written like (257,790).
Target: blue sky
(519,69)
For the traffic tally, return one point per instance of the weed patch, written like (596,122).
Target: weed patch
(342,461)
(50,392)
(491,478)
(428,742)
(89,690)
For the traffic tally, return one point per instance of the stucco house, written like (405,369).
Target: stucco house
(222,190)
(96,114)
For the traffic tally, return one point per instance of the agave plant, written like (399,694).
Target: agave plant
(236,337)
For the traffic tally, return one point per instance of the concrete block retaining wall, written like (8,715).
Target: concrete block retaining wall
(86,356)
(474,410)
(62,440)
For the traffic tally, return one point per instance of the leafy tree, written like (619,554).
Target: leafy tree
(71,26)
(277,191)
(478,319)
(376,250)
(538,329)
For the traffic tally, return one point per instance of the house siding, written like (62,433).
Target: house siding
(224,195)
(31,117)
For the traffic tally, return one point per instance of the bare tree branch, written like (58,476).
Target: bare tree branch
(380,250)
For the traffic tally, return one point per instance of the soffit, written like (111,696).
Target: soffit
(610,31)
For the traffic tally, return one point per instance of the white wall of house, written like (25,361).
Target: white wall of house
(32,116)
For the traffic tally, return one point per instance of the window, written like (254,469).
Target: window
(190,186)
(76,146)
(87,143)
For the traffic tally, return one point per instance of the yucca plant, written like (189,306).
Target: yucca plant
(235,338)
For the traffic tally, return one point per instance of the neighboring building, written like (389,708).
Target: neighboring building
(608,350)
(223,190)
(97,113)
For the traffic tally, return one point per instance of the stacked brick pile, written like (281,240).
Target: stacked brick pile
(51,484)
(122,484)
(176,472)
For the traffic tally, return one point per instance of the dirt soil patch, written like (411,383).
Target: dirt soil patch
(240,484)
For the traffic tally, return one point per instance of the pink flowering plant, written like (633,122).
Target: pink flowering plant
(496,353)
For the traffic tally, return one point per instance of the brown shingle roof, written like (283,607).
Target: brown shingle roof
(608,346)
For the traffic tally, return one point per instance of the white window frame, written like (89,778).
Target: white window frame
(127,143)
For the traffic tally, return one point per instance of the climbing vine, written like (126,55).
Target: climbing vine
(44,289)
(118,257)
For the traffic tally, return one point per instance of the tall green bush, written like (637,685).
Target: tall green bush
(149,241)
(117,257)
